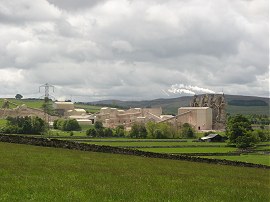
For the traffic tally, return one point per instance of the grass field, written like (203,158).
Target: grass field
(191,150)
(49,174)
(27,102)
(142,144)
(249,158)
(89,108)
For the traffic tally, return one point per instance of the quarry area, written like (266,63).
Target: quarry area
(206,112)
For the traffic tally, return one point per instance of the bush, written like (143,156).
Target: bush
(237,126)
(66,124)
(98,125)
(138,131)
(262,135)
(120,131)
(108,132)
(158,134)
(245,141)
(91,132)
(187,131)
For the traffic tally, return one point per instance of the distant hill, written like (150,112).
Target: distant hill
(236,104)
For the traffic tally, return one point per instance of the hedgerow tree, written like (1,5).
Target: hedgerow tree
(237,126)
(239,131)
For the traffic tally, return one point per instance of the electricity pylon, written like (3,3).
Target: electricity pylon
(46,87)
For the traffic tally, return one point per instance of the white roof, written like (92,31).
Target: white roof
(79,110)
(65,103)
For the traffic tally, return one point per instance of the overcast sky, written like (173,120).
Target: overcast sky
(134,49)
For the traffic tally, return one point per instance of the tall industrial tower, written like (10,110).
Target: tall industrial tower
(46,96)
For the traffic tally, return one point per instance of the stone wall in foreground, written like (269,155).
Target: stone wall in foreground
(46,142)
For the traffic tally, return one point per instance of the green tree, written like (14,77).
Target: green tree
(158,134)
(247,140)
(71,125)
(24,125)
(108,132)
(18,96)
(120,131)
(98,125)
(237,126)
(66,124)
(138,131)
(187,131)
(91,132)
(151,127)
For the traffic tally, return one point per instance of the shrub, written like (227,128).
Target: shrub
(66,124)
(237,126)
(108,132)
(120,131)
(138,131)
(187,131)
(247,140)
(91,132)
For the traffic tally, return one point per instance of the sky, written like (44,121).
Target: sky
(134,49)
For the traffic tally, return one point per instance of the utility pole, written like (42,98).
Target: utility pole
(46,96)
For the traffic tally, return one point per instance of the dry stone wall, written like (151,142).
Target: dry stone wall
(47,142)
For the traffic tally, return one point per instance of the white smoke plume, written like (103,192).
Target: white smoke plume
(188,89)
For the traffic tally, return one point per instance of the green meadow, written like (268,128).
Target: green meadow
(32,173)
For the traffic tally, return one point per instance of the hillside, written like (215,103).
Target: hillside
(236,104)
(171,105)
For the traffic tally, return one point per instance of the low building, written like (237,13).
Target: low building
(112,117)
(62,107)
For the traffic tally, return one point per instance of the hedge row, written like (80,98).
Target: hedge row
(46,142)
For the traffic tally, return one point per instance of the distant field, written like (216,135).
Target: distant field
(191,150)
(31,173)
(142,144)
(250,158)
(38,104)
(89,108)
(27,102)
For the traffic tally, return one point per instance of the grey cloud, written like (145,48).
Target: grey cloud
(72,5)
(134,49)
